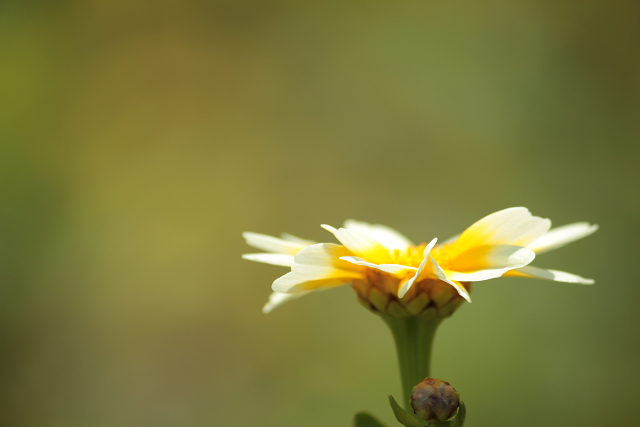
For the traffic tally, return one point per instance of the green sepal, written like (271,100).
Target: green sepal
(363,419)
(403,416)
(461,415)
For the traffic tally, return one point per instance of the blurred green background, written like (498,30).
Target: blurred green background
(139,139)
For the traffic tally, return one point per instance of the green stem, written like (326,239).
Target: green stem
(413,337)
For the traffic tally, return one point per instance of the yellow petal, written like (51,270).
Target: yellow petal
(513,226)
(487,257)
(487,262)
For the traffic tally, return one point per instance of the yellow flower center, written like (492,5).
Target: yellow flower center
(440,254)
(411,257)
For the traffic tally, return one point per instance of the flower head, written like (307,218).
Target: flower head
(396,277)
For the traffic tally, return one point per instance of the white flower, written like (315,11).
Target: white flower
(394,276)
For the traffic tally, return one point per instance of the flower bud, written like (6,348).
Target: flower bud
(434,400)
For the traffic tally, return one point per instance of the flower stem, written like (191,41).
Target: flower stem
(413,337)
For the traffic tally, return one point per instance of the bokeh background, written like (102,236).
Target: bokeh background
(138,139)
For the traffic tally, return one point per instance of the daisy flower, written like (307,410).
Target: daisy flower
(393,276)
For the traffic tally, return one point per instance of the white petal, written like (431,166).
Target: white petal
(387,236)
(277,299)
(404,288)
(560,236)
(513,226)
(329,228)
(476,276)
(309,277)
(271,244)
(555,275)
(387,268)
(323,254)
(295,239)
(437,271)
(363,246)
(318,266)
(488,257)
(285,260)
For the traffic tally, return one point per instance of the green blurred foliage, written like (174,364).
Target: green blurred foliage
(139,139)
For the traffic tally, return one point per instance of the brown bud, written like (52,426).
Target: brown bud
(434,400)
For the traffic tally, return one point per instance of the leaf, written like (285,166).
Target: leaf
(402,416)
(363,419)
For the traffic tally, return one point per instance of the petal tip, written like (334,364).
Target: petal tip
(404,288)
(526,255)
(430,246)
(329,228)
(280,287)
(462,291)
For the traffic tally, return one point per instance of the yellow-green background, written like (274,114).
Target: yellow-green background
(138,139)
